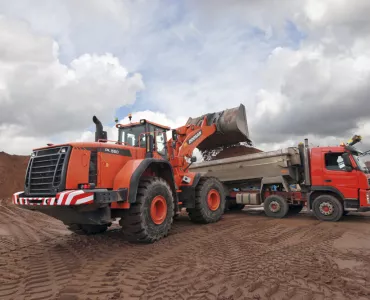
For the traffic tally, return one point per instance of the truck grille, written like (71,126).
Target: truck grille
(46,171)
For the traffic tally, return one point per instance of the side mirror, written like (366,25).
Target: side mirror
(347,162)
(174,135)
(193,159)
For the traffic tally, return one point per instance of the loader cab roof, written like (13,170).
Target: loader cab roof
(143,122)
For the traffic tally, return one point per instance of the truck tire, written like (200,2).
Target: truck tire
(88,229)
(294,209)
(209,201)
(275,206)
(150,218)
(327,208)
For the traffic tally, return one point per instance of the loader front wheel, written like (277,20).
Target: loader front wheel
(150,218)
(209,201)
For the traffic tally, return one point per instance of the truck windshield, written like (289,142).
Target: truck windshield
(130,135)
(361,163)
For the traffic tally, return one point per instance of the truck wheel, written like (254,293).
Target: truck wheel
(275,206)
(294,209)
(88,229)
(150,218)
(327,208)
(209,201)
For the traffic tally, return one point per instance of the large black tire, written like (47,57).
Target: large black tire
(327,208)
(138,223)
(88,229)
(275,206)
(208,187)
(294,209)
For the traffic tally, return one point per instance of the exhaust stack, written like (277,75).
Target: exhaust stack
(231,126)
(99,133)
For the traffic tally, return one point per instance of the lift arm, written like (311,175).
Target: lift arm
(186,138)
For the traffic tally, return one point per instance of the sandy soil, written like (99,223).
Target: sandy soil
(12,172)
(244,256)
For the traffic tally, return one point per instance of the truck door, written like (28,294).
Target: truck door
(335,175)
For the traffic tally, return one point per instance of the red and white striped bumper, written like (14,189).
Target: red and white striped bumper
(68,198)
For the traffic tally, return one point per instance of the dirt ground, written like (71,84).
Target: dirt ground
(244,256)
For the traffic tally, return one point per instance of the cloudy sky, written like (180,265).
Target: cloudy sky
(301,68)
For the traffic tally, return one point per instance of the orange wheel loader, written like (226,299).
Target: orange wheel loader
(141,178)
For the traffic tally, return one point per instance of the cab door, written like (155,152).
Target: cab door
(335,175)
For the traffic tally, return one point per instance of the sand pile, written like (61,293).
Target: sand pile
(12,173)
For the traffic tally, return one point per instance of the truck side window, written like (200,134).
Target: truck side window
(334,161)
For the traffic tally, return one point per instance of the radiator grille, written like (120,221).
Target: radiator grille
(46,171)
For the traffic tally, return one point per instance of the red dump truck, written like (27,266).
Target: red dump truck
(331,181)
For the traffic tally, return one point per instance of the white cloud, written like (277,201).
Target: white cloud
(201,57)
(43,97)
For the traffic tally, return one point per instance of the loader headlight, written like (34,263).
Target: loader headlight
(33,154)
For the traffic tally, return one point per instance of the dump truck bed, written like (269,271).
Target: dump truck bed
(252,167)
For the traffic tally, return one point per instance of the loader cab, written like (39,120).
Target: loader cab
(135,134)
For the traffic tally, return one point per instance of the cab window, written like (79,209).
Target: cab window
(159,136)
(334,162)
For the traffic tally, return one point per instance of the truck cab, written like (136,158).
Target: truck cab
(342,171)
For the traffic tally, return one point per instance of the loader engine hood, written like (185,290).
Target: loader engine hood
(231,126)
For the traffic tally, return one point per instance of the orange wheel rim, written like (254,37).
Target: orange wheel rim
(213,200)
(158,210)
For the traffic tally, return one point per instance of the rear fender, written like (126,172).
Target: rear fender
(129,176)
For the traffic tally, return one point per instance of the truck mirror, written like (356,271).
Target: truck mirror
(347,162)
(193,159)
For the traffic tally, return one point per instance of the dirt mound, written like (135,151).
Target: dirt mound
(12,172)
(236,151)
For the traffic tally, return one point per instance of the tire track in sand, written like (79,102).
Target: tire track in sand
(43,270)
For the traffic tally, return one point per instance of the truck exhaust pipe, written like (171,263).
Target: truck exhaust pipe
(231,126)
(99,133)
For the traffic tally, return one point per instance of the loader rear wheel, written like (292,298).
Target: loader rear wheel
(88,229)
(327,208)
(150,218)
(209,201)
(275,206)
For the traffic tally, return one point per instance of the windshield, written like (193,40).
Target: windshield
(130,136)
(360,161)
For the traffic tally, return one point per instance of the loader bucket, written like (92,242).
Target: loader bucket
(231,126)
